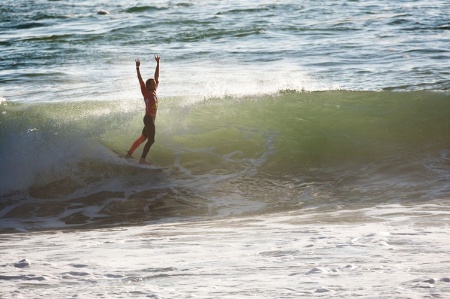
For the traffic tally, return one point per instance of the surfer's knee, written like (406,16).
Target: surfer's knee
(142,138)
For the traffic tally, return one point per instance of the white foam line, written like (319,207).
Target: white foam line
(290,255)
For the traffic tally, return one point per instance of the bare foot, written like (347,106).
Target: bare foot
(143,161)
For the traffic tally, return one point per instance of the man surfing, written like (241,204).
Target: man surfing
(148,90)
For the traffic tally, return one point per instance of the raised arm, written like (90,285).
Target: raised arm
(138,64)
(157,58)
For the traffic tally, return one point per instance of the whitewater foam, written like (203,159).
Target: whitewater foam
(359,252)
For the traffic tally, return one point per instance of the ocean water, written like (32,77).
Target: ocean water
(302,149)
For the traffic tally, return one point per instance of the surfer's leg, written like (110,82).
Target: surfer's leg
(138,141)
(150,133)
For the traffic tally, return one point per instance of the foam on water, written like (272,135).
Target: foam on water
(348,253)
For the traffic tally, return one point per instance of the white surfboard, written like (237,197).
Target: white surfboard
(135,162)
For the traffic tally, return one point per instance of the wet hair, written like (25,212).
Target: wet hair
(148,83)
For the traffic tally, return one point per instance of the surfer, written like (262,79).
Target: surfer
(148,90)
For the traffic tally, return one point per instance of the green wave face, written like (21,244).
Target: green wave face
(285,151)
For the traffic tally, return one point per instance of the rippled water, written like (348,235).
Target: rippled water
(68,50)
